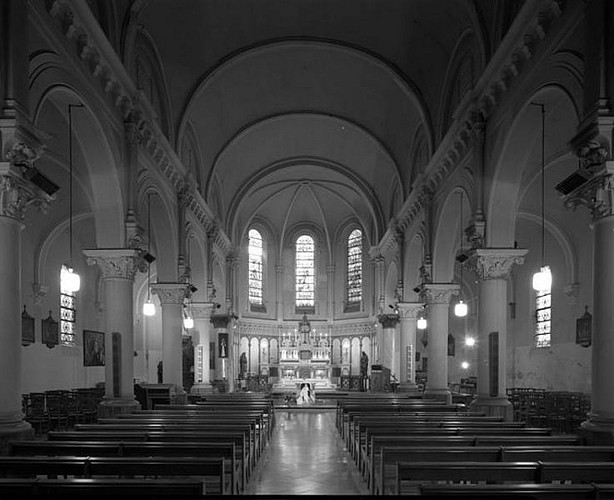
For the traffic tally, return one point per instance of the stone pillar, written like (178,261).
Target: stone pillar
(221,332)
(438,296)
(279,276)
(379,262)
(389,342)
(202,335)
(598,195)
(330,275)
(172,297)
(118,267)
(408,312)
(15,195)
(493,266)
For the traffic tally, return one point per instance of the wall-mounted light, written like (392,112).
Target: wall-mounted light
(464,365)
(469,341)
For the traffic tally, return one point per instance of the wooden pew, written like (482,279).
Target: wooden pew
(510,491)
(221,429)
(161,489)
(137,454)
(494,472)
(378,442)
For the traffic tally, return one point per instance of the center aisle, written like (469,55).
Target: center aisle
(306,456)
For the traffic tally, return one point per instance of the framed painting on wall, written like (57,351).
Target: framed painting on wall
(93,348)
(50,332)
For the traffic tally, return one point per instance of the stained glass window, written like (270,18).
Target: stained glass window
(543,318)
(255,267)
(305,271)
(354,267)
(68,317)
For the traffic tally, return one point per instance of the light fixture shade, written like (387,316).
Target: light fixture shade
(469,341)
(460,309)
(149,308)
(421,323)
(542,280)
(70,281)
(188,322)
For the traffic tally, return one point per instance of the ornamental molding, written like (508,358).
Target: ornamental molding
(440,293)
(597,194)
(115,263)
(170,293)
(358,329)
(89,46)
(17,194)
(410,310)
(523,40)
(496,263)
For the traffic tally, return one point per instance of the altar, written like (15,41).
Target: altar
(305,356)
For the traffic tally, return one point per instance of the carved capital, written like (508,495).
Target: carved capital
(596,194)
(220,320)
(21,155)
(440,293)
(170,293)
(115,263)
(202,310)
(17,194)
(496,263)
(388,320)
(409,310)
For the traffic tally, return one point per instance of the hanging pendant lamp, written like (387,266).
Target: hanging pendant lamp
(149,308)
(461,309)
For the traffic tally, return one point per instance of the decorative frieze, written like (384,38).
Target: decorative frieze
(115,263)
(495,263)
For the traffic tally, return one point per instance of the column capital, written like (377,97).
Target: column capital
(170,293)
(115,263)
(202,310)
(409,310)
(17,194)
(388,320)
(440,293)
(221,320)
(597,194)
(496,263)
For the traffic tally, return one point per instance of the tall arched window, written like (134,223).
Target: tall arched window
(68,315)
(305,272)
(354,269)
(255,270)
(543,318)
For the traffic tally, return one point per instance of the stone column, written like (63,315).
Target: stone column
(408,312)
(202,335)
(493,266)
(438,296)
(223,372)
(171,297)
(118,267)
(330,275)
(389,342)
(598,195)
(15,195)
(279,282)
(379,263)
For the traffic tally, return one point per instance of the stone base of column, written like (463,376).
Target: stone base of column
(108,408)
(201,389)
(408,387)
(443,395)
(493,407)
(20,431)
(598,430)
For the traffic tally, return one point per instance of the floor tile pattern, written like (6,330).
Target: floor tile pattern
(306,456)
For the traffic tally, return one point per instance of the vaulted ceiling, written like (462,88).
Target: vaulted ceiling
(307,110)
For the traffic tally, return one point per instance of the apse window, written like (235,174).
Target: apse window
(543,317)
(68,315)
(305,274)
(354,271)
(255,266)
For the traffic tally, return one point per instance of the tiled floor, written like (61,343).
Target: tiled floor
(306,456)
